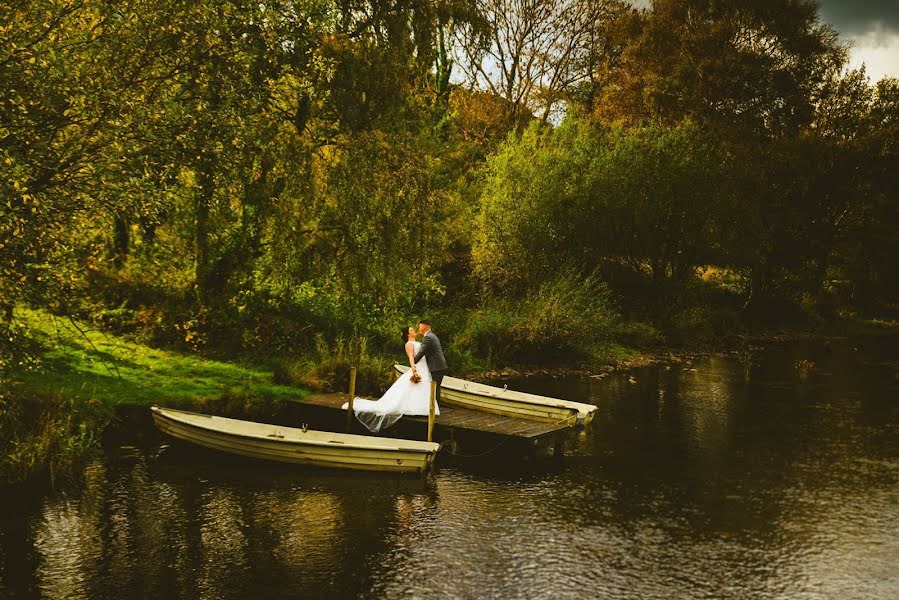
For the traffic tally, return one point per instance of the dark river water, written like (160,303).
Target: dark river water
(770,473)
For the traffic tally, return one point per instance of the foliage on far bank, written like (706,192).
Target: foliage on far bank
(564,319)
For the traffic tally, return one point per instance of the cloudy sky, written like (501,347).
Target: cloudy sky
(872,26)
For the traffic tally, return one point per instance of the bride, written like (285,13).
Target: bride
(405,397)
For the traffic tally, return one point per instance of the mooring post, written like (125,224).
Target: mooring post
(349,409)
(559,449)
(431,410)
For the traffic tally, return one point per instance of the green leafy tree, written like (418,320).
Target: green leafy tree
(654,198)
(369,249)
(71,74)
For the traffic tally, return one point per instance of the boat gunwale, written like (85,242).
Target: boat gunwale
(161,412)
(299,453)
(582,409)
(416,463)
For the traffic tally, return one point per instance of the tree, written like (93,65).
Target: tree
(860,206)
(70,74)
(745,69)
(368,248)
(537,51)
(581,197)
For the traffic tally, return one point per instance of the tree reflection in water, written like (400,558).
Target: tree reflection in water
(732,477)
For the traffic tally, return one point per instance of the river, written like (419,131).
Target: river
(768,473)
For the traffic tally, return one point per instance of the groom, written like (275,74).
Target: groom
(433,351)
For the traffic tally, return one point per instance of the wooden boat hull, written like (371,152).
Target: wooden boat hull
(502,401)
(293,445)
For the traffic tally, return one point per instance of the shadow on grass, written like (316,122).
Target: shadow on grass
(86,364)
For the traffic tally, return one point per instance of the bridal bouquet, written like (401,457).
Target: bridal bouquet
(416,378)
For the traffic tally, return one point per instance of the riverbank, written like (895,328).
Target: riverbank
(736,345)
(53,414)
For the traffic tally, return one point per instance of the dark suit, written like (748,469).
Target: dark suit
(433,352)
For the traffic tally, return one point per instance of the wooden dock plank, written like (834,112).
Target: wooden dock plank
(334,400)
(463,419)
(459,417)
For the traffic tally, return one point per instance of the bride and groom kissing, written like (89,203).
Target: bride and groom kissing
(411,393)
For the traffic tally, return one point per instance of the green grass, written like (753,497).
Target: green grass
(81,363)
(53,415)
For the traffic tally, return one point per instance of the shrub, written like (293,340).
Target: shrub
(51,433)
(703,325)
(327,367)
(638,334)
(564,318)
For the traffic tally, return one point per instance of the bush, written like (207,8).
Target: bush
(637,334)
(704,325)
(327,367)
(52,433)
(565,318)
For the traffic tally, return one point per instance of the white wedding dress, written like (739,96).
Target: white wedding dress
(403,398)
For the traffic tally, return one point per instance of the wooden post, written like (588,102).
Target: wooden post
(349,410)
(431,410)
(558,449)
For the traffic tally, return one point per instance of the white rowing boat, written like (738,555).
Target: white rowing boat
(503,401)
(296,445)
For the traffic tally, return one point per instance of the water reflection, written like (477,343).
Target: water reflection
(62,542)
(738,476)
(145,527)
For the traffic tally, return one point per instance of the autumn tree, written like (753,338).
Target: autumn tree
(742,68)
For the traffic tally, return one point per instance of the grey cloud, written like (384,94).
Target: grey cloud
(854,17)
(849,17)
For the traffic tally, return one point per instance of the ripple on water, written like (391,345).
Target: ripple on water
(705,484)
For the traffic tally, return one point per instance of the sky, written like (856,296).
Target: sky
(871,26)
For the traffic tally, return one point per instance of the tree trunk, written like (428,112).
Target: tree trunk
(758,278)
(148,230)
(121,237)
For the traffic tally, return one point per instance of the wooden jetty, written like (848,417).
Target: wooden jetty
(466,430)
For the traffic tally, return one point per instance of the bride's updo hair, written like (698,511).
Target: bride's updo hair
(405,334)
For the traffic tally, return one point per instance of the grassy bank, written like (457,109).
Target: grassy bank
(52,414)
